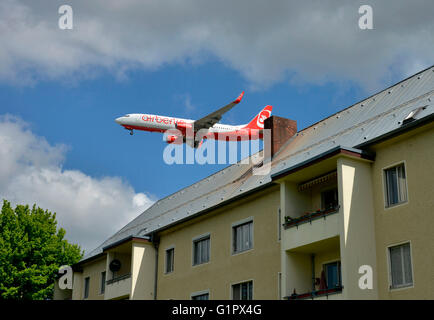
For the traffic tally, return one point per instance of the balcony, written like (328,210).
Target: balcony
(311,228)
(117,279)
(309,217)
(325,294)
(118,287)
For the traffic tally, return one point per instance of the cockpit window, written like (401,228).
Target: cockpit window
(127,115)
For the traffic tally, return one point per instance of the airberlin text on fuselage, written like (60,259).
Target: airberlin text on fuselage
(165,120)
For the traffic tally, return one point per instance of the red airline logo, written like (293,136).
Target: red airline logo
(262,117)
(159,119)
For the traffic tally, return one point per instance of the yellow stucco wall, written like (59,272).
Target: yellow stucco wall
(92,270)
(260,264)
(142,271)
(412,221)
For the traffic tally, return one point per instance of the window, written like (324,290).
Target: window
(102,282)
(400,266)
(201,250)
(86,287)
(242,291)
(203,296)
(333,274)
(170,259)
(329,199)
(396,185)
(243,237)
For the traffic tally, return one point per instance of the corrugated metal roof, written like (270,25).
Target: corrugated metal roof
(357,124)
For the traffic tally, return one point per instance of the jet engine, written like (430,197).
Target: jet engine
(171,139)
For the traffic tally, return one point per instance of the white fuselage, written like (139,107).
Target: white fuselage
(156,123)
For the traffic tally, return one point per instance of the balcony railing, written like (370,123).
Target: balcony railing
(315,294)
(309,217)
(120,278)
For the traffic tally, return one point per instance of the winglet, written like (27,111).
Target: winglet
(239,98)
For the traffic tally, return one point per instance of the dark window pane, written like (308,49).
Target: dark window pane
(170,256)
(407,264)
(103,281)
(333,274)
(204,296)
(400,266)
(242,291)
(86,287)
(396,266)
(396,188)
(329,199)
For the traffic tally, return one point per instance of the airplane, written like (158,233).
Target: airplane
(187,130)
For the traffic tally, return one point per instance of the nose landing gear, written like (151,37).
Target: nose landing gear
(131,132)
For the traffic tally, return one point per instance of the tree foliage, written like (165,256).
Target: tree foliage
(31,251)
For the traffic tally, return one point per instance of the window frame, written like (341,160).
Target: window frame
(389,267)
(196,240)
(86,287)
(103,282)
(326,190)
(165,260)
(384,181)
(236,225)
(200,293)
(339,263)
(238,284)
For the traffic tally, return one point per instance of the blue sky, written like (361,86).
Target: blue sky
(60,90)
(82,117)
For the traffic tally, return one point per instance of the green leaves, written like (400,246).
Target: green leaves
(31,251)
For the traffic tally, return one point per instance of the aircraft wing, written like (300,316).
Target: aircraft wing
(211,119)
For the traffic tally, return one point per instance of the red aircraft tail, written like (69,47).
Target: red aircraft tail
(258,121)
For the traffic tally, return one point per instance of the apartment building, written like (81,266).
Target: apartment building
(344,213)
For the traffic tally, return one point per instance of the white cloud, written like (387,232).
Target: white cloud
(267,42)
(89,209)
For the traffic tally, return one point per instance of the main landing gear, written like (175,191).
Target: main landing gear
(131,132)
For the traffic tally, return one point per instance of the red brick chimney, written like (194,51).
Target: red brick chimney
(282,130)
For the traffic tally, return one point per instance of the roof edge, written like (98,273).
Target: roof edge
(124,240)
(215,207)
(371,96)
(398,131)
(322,156)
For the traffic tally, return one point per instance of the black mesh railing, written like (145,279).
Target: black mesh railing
(315,294)
(119,278)
(291,222)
